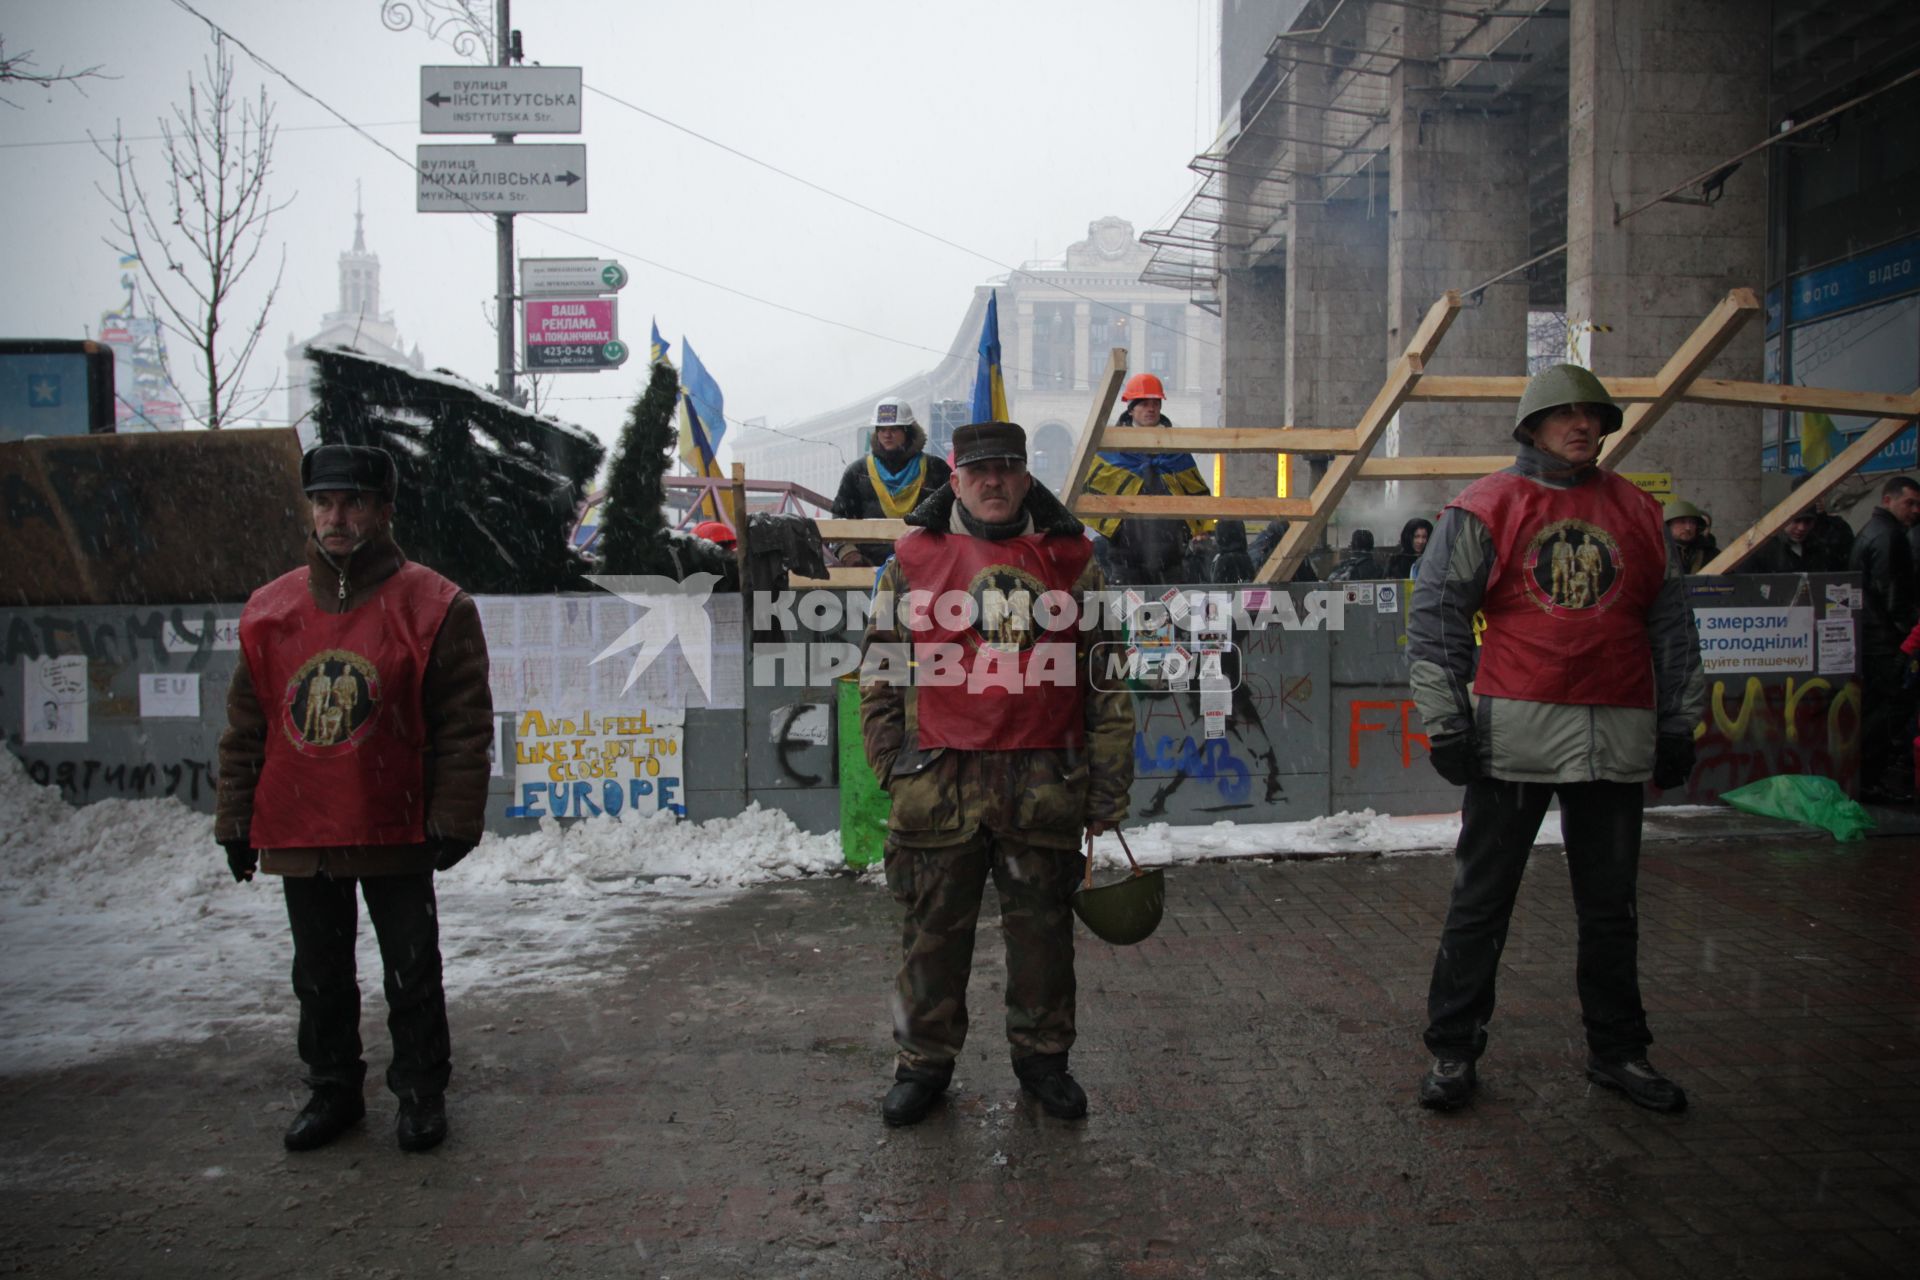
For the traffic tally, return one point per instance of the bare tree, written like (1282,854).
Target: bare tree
(18,68)
(199,234)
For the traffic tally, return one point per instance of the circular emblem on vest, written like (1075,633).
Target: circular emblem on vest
(1572,565)
(331,703)
(1004,606)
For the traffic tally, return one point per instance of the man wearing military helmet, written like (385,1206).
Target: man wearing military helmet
(1586,684)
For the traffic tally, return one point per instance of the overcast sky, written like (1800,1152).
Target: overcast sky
(1004,127)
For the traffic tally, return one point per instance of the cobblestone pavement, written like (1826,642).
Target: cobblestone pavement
(710,1108)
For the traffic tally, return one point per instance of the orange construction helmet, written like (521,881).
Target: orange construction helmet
(718,532)
(1143,386)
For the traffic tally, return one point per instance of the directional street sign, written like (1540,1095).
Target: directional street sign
(580,335)
(572,277)
(489,178)
(500,99)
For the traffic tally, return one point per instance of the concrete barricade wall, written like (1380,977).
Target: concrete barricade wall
(1319,720)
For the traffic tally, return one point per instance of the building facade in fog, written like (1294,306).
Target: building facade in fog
(358,323)
(1609,169)
(1058,322)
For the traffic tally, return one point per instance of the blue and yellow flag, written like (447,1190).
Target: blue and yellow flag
(1115,472)
(989,385)
(703,424)
(657,350)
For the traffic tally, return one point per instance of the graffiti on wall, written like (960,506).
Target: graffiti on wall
(1386,721)
(166,635)
(82,781)
(568,766)
(1755,728)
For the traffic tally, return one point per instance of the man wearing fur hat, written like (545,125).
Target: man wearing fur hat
(355,764)
(887,482)
(999,754)
(1587,683)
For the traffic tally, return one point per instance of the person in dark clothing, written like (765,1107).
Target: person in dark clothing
(1688,539)
(1884,560)
(1808,543)
(1358,563)
(1413,542)
(1261,549)
(888,481)
(1231,562)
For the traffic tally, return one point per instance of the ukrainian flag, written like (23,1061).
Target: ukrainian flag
(657,350)
(703,424)
(1126,473)
(989,384)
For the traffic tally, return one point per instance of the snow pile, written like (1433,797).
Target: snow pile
(1364,832)
(750,847)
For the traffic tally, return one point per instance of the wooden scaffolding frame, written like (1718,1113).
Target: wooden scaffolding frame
(1646,400)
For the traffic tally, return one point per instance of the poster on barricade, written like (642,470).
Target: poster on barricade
(580,763)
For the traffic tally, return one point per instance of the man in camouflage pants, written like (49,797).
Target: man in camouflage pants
(980,722)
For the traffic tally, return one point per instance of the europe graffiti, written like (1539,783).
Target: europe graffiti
(581,766)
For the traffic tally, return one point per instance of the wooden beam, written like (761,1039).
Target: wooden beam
(1342,471)
(1491,389)
(861,530)
(1818,485)
(1229,439)
(1438,467)
(840,577)
(1196,506)
(1765,395)
(1692,356)
(1089,442)
(1771,395)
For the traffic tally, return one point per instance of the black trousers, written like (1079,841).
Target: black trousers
(1601,824)
(1886,713)
(324,914)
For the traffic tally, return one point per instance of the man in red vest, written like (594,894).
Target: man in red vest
(355,763)
(1589,684)
(980,721)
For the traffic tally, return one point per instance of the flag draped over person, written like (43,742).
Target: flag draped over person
(989,385)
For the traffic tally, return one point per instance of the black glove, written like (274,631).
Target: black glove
(450,852)
(1910,674)
(1672,760)
(241,859)
(1455,757)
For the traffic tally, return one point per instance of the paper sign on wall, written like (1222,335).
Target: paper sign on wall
(170,693)
(53,699)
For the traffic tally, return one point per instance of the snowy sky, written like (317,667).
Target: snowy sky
(1004,126)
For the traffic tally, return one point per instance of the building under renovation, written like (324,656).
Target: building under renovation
(1600,173)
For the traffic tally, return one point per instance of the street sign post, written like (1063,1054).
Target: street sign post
(500,99)
(570,277)
(484,178)
(577,335)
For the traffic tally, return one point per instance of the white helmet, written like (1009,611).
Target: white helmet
(893,413)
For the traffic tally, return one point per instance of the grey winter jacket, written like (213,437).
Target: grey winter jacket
(1522,741)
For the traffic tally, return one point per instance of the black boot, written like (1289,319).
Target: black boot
(914,1092)
(330,1112)
(422,1125)
(1449,1084)
(1639,1081)
(1044,1076)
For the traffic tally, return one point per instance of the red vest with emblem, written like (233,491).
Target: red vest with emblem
(1574,573)
(346,738)
(979,712)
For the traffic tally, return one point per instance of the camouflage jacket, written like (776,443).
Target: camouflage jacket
(1048,795)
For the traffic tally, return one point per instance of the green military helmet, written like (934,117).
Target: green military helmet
(1680,509)
(1126,911)
(1564,384)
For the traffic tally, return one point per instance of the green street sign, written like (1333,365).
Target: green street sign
(613,275)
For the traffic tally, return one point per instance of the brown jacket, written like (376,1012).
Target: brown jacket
(458,714)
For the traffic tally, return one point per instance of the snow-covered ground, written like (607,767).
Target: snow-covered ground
(120,924)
